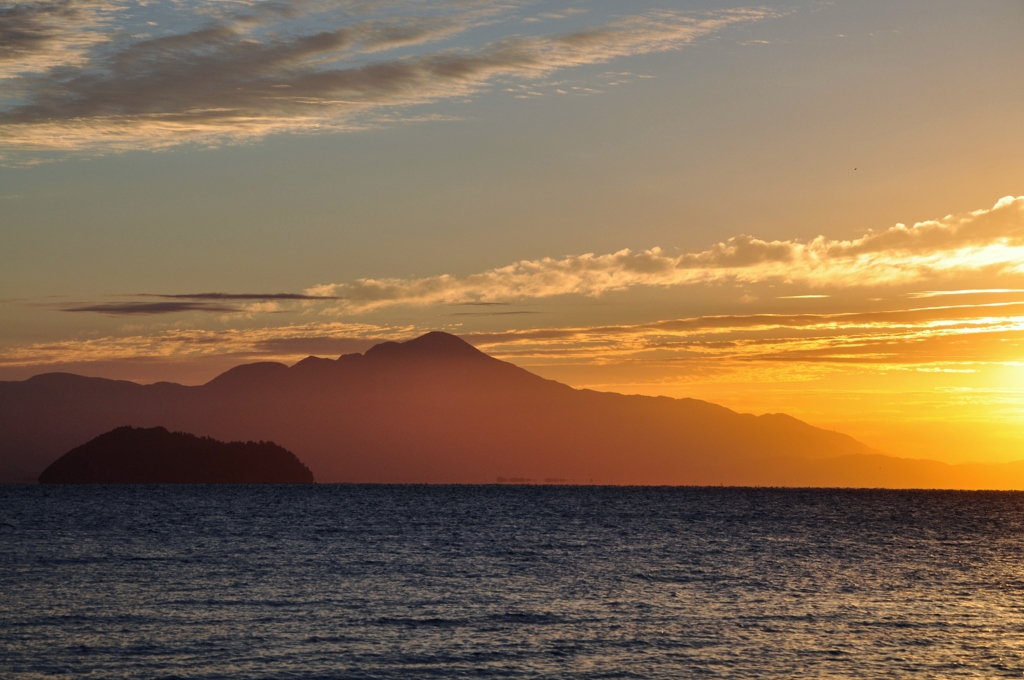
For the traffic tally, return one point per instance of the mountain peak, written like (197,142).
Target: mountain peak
(433,345)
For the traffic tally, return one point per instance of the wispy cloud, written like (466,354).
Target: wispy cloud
(150,308)
(969,291)
(989,241)
(239,296)
(284,343)
(250,74)
(927,337)
(946,338)
(39,35)
(177,303)
(511,313)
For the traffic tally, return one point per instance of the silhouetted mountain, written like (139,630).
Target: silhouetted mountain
(129,455)
(435,409)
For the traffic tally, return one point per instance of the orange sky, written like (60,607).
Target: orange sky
(812,208)
(917,371)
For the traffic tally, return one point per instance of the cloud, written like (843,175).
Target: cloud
(957,337)
(37,36)
(314,346)
(258,303)
(843,322)
(947,338)
(150,308)
(245,76)
(282,343)
(969,291)
(239,296)
(513,313)
(989,241)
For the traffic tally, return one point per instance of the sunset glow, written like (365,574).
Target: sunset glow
(665,199)
(511,338)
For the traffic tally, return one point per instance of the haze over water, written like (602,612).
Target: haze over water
(495,581)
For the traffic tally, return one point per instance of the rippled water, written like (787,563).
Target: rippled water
(490,581)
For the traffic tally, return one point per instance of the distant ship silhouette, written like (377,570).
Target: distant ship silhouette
(437,410)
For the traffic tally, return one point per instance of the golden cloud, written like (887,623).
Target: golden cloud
(989,241)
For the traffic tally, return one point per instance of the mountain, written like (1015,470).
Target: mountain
(437,410)
(129,455)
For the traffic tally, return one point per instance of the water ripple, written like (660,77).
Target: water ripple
(509,582)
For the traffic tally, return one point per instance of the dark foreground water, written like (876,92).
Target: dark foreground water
(545,582)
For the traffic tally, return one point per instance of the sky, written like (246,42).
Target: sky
(813,207)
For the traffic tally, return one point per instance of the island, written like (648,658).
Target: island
(138,455)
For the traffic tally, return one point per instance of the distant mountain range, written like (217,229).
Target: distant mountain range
(437,410)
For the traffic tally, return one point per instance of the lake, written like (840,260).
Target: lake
(500,581)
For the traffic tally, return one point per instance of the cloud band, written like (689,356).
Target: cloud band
(243,76)
(990,241)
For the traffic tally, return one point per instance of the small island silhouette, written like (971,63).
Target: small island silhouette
(129,455)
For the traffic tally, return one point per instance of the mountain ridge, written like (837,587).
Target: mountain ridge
(435,409)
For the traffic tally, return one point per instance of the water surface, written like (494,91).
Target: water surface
(508,582)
